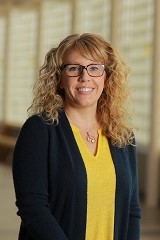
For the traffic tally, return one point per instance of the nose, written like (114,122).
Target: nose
(84,75)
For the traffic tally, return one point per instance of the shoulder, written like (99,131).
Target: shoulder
(42,121)
(39,125)
(33,124)
(33,121)
(34,128)
(131,155)
(128,148)
(36,123)
(131,148)
(127,153)
(38,128)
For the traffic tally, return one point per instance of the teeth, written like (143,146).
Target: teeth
(85,89)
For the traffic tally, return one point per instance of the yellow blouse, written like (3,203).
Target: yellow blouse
(101,180)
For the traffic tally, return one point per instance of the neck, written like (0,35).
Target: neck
(85,123)
(82,117)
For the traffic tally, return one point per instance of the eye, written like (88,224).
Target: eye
(73,68)
(94,68)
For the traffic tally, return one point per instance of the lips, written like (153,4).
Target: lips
(85,89)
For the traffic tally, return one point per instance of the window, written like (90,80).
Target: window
(136,43)
(22,62)
(56,21)
(93,16)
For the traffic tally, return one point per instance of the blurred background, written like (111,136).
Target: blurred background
(28,29)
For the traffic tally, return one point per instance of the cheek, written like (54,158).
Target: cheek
(62,82)
(65,83)
(101,85)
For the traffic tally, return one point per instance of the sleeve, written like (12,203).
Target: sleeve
(30,178)
(135,212)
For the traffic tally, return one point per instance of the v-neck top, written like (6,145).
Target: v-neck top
(101,185)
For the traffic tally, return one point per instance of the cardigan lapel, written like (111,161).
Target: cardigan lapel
(123,186)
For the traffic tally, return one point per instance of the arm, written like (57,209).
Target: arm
(135,214)
(30,168)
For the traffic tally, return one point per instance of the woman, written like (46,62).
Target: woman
(74,164)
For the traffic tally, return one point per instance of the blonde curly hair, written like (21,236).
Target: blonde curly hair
(111,108)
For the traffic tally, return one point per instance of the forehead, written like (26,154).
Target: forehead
(75,55)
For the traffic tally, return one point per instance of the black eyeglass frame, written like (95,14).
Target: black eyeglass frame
(82,68)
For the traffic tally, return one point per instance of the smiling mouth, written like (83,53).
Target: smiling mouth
(85,89)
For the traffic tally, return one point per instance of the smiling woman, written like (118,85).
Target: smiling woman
(74,163)
(81,89)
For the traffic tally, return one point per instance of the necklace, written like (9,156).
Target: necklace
(89,137)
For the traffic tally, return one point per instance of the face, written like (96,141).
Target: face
(82,91)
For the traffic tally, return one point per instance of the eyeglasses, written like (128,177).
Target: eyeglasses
(75,70)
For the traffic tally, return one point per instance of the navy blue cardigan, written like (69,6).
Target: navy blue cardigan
(51,184)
